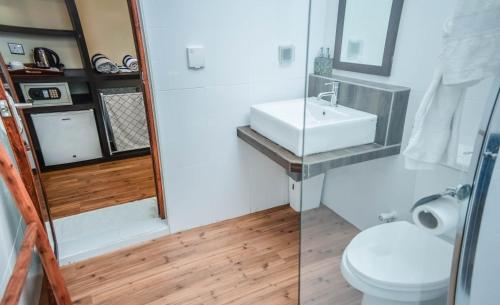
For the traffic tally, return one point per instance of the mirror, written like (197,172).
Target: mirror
(366,35)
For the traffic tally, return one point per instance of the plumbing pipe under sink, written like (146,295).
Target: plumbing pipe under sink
(306,194)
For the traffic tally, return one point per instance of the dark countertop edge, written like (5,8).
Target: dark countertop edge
(280,155)
(294,164)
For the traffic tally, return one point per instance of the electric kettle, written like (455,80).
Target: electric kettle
(46,58)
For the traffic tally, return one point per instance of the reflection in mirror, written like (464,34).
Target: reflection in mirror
(366,35)
(365,31)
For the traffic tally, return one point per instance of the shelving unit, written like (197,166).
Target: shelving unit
(70,75)
(116,76)
(87,75)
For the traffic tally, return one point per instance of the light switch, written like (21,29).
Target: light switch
(286,55)
(196,57)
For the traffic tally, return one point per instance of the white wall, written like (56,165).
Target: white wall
(11,235)
(65,47)
(209,174)
(107,28)
(28,13)
(384,185)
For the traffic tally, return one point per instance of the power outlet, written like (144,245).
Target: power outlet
(16,48)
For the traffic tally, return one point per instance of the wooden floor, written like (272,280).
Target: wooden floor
(90,187)
(249,260)
(323,240)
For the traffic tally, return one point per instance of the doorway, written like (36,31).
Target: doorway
(86,120)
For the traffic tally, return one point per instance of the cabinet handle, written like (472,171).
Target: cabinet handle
(66,119)
(23,105)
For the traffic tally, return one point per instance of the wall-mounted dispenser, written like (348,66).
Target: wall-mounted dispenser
(196,57)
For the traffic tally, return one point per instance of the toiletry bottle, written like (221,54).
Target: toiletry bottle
(317,62)
(328,63)
(325,65)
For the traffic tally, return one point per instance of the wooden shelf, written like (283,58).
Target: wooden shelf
(70,75)
(36,31)
(299,168)
(63,108)
(116,76)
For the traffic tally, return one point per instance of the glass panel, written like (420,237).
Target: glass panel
(476,267)
(378,227)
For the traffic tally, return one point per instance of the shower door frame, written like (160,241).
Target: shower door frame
(470,219)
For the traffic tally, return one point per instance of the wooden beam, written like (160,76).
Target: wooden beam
(25,206)
(148,103)
(41,202)
(21,268)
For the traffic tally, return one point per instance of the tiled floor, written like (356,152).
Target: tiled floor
(97,232)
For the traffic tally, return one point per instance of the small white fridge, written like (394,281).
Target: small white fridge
(67,137)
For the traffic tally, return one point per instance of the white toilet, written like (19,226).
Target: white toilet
(398,264)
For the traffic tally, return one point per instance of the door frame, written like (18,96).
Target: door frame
(31,180)
(20,149)
(137,30)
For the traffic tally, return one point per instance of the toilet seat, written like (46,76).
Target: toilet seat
(398,260)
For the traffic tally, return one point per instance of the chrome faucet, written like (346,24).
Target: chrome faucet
(333,94)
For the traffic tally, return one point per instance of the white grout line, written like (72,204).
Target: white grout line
(389,120)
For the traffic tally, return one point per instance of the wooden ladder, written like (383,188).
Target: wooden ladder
(35,236)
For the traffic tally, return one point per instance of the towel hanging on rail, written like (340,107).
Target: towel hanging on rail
(469,55)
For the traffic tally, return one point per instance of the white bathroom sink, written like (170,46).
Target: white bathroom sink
(326,127)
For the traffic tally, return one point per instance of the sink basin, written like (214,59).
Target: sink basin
(326,128)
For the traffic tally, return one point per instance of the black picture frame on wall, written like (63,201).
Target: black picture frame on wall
(389,47)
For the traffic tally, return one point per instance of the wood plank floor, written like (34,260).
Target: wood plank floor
(90,187)
(323,240)
(249,260)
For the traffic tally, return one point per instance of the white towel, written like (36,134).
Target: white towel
(470,53)
(131,63)
(102,64)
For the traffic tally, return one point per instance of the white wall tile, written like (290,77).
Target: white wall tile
(210,175)
(360,192)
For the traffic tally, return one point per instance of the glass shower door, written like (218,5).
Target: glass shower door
(377,233)
(475,267)
(374,229)
(361,244)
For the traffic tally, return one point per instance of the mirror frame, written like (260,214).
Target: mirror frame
(390,43)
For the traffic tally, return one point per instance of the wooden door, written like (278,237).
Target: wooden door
(148,103)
